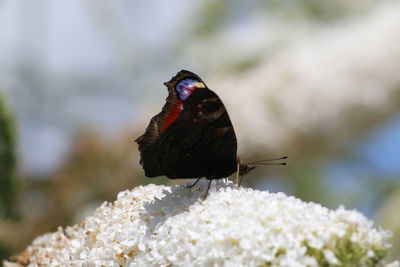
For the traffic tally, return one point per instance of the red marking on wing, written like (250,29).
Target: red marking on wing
(173,114)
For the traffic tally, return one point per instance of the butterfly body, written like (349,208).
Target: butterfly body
(192,137)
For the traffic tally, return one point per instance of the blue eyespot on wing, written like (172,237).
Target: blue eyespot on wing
(186,87)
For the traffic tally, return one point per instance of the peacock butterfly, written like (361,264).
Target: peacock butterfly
(192,136)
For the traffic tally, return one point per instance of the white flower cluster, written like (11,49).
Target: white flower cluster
(172,226)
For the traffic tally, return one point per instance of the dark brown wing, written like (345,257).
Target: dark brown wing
(191,137)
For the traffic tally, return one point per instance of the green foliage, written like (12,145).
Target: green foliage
(316,9)
(7,161)
(212,17)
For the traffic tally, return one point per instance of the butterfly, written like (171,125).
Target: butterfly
(192,136)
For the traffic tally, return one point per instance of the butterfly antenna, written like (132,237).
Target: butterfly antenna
(270,163)
(264,161)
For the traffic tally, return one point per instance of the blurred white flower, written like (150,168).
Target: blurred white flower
(172,226)
(326,80)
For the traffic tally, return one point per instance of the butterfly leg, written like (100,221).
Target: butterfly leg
(190,186)
(237,174)
(208,188)
(240,181)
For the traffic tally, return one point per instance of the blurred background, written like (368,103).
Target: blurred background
(79,81)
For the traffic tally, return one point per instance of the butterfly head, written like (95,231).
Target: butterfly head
(185,87)
(245,168)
